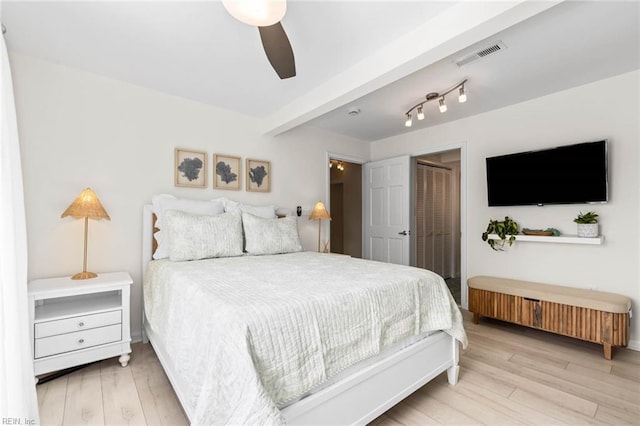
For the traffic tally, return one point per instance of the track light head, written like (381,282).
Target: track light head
(409,120)
(443,106)
(420,114)
(462,97)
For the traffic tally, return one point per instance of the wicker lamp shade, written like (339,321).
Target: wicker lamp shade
(319,213)
(86,206)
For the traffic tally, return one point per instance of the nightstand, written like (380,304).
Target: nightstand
(76,322)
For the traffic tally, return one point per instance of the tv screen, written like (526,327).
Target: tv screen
(569,174)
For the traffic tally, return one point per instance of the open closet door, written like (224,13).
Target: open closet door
(387,212)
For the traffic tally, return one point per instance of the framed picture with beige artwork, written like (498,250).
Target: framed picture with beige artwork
(190,169)
(258,175)
(226,172)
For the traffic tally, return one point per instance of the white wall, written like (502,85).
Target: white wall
(79,129)
(604,109)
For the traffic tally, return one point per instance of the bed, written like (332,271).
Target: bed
(293,338)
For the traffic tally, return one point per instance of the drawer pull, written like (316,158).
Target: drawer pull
(80,324)
(530,299)
(81,341)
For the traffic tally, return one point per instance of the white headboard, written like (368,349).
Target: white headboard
(147,235)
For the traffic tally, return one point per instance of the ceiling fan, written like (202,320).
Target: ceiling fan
(266,15)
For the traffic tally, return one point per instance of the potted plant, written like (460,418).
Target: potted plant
(506,230)
(587,224)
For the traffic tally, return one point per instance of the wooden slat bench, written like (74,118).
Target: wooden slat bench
(589,315)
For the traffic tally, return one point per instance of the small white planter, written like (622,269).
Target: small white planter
(587,230)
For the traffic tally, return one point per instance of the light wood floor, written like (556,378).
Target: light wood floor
(509,375)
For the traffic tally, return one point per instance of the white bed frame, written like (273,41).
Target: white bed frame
(358,398)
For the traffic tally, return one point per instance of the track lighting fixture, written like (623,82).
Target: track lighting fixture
(419,107)
(339,165)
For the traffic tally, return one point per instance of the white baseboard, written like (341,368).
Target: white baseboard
(634,345)
(136,336)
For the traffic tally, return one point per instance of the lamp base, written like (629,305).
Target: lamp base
(84,275)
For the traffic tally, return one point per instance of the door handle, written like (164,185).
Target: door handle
(404,233)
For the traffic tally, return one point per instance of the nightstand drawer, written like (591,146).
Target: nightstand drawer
(79,340)
(84,322)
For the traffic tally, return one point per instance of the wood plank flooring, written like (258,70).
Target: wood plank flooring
(510,375)
(107,394)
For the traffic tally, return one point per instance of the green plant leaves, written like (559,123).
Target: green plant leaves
(589,217)
(502,228)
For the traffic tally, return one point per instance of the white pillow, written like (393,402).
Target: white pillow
(194,237)
(164,202)
(267,212)
(270,236)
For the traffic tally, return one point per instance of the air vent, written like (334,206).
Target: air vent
(482,53)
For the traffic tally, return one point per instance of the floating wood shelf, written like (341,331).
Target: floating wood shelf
(564,239)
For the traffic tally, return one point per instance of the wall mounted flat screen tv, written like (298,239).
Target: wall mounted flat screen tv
(569,174)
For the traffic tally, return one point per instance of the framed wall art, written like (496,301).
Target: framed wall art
(226,172)
(190,168)
(258,175)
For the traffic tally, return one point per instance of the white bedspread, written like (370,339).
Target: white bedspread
(250,333)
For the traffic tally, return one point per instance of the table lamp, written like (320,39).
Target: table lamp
(86,206)
(319,213)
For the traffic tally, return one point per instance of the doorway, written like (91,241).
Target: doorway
(345,201)
(436,215)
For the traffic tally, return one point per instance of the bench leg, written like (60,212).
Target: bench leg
(607,350)
(475,317)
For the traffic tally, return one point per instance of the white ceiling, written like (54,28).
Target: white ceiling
(569,45)
(348,53)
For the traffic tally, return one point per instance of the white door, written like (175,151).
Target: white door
(386,210)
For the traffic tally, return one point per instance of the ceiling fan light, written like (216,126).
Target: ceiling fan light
(259,13)
(420,114)
(462,97)
(409,121)
(443,106)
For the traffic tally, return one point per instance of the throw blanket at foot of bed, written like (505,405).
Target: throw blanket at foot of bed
(250,333)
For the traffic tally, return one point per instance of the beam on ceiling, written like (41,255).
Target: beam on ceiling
(447,33)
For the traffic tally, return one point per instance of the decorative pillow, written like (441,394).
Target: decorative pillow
(267,212)
(270,236)
(222,200)
(193,237)
(164,202)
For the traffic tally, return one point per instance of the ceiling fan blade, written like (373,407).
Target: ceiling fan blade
(278,49)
